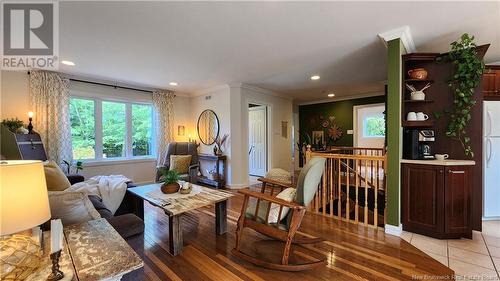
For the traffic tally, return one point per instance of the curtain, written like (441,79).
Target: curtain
(163,103)
(49,100)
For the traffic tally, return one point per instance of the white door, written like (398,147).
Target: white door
(369,125)
(257,141)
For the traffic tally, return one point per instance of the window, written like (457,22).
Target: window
(374,126)
(102,129)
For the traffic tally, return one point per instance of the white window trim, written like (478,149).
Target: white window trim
(98,130)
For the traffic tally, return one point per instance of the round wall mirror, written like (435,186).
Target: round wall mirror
(208,127)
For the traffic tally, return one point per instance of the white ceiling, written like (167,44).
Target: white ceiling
(273,45)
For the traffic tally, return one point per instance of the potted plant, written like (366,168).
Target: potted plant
(170,180)
(13,124)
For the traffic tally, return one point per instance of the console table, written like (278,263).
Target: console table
(93,250)
(220,167)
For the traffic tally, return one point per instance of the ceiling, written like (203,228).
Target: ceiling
(273,45)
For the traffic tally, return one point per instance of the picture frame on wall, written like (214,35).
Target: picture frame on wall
(318,138)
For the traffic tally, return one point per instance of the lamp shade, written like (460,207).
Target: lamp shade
(24,201)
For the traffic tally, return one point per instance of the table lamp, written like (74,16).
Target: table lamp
(24,204)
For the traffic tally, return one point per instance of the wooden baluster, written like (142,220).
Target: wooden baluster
(347,190)
(323,187)
(331,182)
(375,210)
(356,211)
(366,195)
(339,203)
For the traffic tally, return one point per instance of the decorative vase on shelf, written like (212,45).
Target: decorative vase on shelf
(418,74)
(215,150)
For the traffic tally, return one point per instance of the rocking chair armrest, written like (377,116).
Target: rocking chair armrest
(266,197)
(275,182)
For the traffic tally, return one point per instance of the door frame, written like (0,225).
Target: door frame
(355,120)
(269,140)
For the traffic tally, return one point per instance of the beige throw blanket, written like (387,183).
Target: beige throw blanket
(111,189)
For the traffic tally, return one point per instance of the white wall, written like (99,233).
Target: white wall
(218,100)
(14,103)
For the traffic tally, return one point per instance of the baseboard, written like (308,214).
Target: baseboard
(393,230)
(236,186)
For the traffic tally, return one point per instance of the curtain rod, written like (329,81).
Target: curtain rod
(108,85)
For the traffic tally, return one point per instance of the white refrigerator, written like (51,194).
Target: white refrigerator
(491,160)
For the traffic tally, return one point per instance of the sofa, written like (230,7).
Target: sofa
(181,148)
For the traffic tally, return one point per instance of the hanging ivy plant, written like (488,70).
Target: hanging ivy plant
(468,73)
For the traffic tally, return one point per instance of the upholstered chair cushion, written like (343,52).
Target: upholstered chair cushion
(309,179)
(287,194)
(54,177)
(180,163)
(71,207)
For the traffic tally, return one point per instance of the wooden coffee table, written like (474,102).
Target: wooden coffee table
(175,205)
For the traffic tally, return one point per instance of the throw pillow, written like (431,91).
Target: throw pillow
(180,163)
(278,174)
(71,207)
(288,195)
(54,177)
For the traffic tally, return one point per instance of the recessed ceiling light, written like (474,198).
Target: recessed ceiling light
(173,83)
(67,62)
(331,95)
(315,77)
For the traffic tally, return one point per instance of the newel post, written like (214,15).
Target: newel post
(308,153)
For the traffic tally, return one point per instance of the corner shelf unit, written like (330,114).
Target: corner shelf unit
(412,61)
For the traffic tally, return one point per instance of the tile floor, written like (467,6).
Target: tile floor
(476,259)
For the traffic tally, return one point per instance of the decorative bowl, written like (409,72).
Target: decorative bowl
(170,188)
(418,73)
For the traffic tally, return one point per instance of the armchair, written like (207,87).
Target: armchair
(180,148)
(257,218)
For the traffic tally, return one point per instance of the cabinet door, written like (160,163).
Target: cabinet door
(457,199)
(489,82)
(422,202)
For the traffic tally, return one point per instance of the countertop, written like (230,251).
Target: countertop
(447,162)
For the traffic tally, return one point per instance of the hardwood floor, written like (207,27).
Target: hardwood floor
(353,252)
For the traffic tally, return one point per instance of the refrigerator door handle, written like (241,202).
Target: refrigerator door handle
(488,152)
(488,113)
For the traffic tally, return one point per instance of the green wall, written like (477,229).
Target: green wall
(394,131)
(342,110)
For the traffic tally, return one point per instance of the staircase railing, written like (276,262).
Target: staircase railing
(353,186)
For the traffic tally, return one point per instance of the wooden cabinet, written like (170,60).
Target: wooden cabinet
(491,83)
(436,200)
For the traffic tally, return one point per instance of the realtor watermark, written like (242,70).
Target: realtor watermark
(30,33)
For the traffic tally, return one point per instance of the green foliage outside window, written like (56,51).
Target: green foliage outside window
(374,127)
(82,128)
(141,129)
(114,129)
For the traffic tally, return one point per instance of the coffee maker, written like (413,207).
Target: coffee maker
(417,144)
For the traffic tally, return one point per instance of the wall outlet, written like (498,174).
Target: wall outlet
(350,132)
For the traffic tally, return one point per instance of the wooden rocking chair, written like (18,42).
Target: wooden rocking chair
(256,216)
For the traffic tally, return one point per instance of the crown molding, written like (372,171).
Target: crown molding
(402,33)
(210,90)
(261,90)
(350,97)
